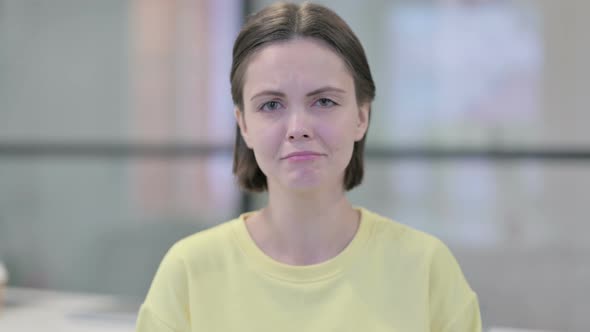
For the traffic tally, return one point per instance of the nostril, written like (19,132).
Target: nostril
(298,136)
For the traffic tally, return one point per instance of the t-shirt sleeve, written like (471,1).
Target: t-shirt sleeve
(453,304)
(166,306)
(148,321)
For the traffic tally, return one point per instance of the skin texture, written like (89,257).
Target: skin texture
(299,97)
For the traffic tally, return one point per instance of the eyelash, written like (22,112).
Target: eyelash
(262,107)
(327,99)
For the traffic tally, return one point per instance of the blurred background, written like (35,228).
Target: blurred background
(116,133)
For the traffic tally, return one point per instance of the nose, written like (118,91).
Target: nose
(299,127)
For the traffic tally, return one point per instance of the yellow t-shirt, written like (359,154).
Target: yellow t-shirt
(390,277)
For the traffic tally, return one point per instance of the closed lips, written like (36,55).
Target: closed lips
(302,154)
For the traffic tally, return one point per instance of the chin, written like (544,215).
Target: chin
(305,185)
(309,184)
(302,182)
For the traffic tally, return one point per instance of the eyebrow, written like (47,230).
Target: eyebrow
(314,92)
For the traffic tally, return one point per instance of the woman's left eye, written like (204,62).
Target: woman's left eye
(325,102)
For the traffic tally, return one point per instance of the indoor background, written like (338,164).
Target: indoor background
(116,133)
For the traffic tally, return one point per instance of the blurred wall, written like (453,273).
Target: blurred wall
(103,76)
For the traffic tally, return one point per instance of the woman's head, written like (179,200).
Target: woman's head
(282,28)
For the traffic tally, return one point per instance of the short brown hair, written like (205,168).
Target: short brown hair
(283,22)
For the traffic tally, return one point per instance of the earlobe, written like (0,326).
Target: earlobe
(363,121)
(242,125)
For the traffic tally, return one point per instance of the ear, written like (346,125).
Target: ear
(362,121)
(240,120)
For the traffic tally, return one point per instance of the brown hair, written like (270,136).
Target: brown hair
(283,22)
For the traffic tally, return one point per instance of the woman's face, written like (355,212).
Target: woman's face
(301,116)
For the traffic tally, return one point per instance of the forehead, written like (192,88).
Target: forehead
(301,63)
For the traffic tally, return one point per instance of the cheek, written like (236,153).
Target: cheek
(267,140)
(339,139)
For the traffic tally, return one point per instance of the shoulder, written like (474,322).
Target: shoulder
(406,239)
(204,247)
(453,304)
(424,251)
(198,252)
(204,239)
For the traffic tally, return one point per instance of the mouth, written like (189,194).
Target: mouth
(302,156)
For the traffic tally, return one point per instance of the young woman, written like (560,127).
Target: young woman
(309,260)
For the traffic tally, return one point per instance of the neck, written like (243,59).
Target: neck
(304,228)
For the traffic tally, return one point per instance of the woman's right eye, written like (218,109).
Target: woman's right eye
(270,106)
